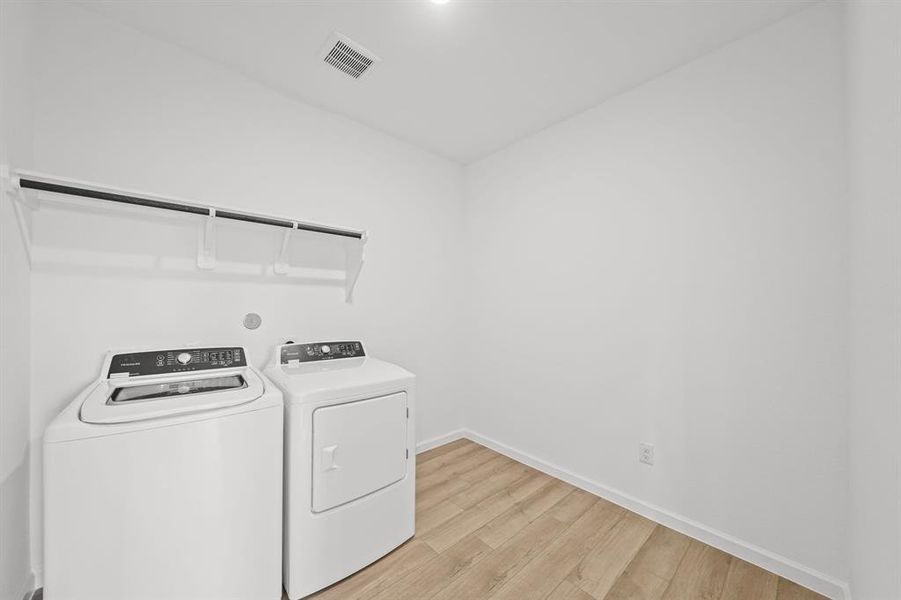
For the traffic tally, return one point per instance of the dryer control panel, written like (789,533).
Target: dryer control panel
(320,351)
(162,362)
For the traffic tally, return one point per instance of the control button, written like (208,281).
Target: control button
(326,349)
(184,358)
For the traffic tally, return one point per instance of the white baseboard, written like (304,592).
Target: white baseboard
(780,565)
(439,441)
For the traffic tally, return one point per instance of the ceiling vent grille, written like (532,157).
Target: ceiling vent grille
(348,56)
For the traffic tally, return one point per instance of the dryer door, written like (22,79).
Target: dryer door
(358,448)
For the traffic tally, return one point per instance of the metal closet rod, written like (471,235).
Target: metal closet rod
(72,190)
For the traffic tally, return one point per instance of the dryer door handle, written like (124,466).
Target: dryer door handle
(328,458)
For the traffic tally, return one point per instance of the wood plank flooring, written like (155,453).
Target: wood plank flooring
(488,527)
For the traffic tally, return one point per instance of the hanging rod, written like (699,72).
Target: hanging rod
(44,183)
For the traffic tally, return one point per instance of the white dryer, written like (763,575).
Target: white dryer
(163,481)
(350,464)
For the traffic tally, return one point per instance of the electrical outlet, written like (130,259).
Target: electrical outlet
(646,453)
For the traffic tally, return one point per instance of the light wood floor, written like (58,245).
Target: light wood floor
(489,527)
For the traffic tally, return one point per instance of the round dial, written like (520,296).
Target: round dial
(326,349)
(184,358)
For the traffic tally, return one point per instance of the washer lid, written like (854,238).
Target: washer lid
(153,397)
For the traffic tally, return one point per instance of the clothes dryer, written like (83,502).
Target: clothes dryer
(350,463)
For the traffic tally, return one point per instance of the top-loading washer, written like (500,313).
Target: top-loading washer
(163,481)
(350,463)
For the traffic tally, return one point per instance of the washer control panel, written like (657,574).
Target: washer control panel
(320,351)
(162,362)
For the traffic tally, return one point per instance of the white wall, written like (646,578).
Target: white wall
(117,107)
(874,64)
(671,267)
(16,30)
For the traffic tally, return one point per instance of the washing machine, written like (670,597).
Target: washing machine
(350,464)
(163,481)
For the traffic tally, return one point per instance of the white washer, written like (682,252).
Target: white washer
(350,464)
(163,481)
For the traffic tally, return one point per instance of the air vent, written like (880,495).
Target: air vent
(348,56)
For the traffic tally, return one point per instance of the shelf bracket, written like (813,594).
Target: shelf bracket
(354,257)
(206,243)
(20,199)
(280,267)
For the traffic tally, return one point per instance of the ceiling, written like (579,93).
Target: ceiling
(462,79)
